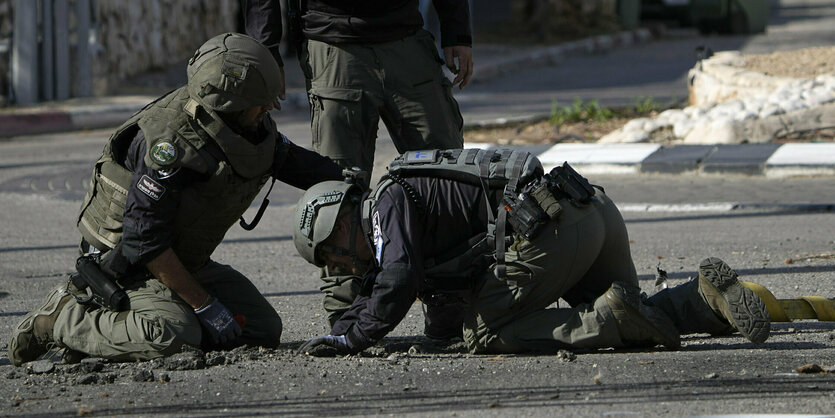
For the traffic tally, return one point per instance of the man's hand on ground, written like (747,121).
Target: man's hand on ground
(464,69)
(219,323)
(325,346)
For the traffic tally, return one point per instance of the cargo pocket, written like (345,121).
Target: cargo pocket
(522,276)
(318,60)
(455,111)
(335,113)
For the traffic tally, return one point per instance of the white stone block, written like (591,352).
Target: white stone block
(671,116)
(681,129)
(635,124)
(717,132)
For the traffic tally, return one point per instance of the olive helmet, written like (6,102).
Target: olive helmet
(233,72)
(317,213)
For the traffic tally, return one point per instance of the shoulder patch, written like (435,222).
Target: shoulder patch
(379,239)
(150,187)
(164,153)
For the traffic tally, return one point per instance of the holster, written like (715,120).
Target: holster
(569,182)
(100,288)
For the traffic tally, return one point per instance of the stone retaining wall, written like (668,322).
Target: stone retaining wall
(138,35)
(731,104)
(5,48)
(723,77)
(141,35)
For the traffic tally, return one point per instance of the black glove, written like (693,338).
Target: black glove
(325,346)
(219,322)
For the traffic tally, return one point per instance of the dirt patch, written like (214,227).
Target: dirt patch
(802,63)
(545,131)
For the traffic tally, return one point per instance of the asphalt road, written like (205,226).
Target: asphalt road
(41,183)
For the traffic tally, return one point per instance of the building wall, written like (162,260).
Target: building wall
(140,35)
(133,37)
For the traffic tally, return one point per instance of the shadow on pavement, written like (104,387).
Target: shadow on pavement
(817,208)
(412,400)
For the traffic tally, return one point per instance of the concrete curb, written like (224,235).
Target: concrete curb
(111,111)
(770,160)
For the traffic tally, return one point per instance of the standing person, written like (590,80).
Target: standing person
(170,183)
(367,60)
(490,230)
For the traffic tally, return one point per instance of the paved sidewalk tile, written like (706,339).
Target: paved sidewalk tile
(599,158)
(742,158)
(678,159)
(802,159)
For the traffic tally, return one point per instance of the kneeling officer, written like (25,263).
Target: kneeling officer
(170,183)
(489,230)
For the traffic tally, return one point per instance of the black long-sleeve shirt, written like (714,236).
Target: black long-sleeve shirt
(404,238)
(148,222)
(360,21)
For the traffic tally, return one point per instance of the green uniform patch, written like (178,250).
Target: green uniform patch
(164,153)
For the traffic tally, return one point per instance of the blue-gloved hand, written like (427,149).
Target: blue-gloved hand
(325,346)
(219,322)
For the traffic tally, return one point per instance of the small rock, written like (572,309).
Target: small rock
(13,375)
(215,361)
(414,350)
(143,376)
(189,360)
(566,356)
(87,379)
(711,375)
(809,369)
(41,367)
(164,378)
(91,365)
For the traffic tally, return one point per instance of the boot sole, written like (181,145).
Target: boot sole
(738,304)
(28,322)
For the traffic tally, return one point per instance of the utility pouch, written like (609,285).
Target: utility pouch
(541,192)
(572,184)
(525,215)
(100,288)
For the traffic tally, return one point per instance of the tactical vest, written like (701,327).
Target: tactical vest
(495,171)
(236,170)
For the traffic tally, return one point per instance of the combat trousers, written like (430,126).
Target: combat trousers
(352,86)
(576,258)
(159,323)
(689,311)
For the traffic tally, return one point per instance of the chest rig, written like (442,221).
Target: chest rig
(234,169)
(496,172)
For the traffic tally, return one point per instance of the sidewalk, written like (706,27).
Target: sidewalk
(770,160)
